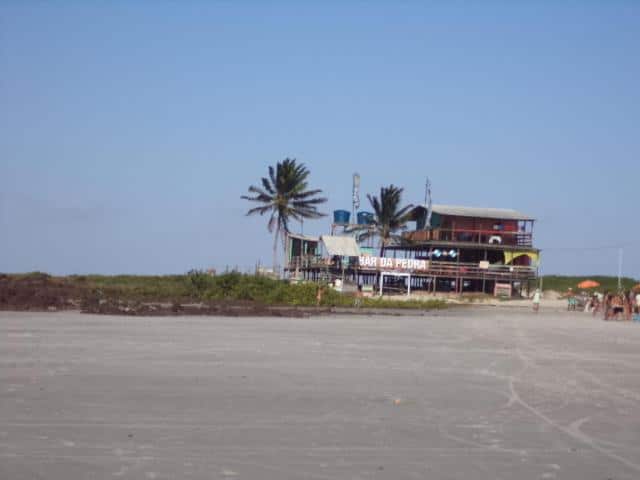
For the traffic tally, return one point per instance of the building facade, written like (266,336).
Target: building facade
(450,249)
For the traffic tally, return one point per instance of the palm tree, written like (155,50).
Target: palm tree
(389,217)
(285,196)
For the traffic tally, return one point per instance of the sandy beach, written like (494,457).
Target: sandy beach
(469,393)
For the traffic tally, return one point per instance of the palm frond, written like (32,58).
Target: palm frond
(257,198)
(302,194)
(260,210)
(272,176)
(272,221)
(285,194)
(389,216)
(308,203)
(267,186)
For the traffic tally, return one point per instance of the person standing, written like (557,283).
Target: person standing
(596,304)
(628,305)
(617,306)
(319,295)
(571,300)
(536,300)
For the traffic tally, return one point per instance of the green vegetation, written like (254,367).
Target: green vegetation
(561,283)
(137,287)
(197,286)
(430,304)
(267,291)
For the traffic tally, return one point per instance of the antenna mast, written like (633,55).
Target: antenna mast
(356,197)
(427,203)
(620,252)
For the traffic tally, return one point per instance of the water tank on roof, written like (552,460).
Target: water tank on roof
(365,218)
(341,217)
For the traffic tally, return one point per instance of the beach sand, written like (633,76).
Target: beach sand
(482,393)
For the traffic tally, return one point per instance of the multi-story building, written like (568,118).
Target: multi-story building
(457,249)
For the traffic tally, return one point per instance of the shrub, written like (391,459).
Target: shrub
(197,282)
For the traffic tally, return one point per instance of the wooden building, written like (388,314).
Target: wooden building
(458,250)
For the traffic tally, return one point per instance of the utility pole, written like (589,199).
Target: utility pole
(620,252)
(427,203)
(355,198)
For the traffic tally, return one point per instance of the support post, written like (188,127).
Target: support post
(458,276)
(620,252)
(484,274)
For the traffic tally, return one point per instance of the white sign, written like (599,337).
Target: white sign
(393,263)
(502,290)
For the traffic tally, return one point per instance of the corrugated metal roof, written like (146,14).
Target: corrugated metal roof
(299,236)
(343,246)
(495,213)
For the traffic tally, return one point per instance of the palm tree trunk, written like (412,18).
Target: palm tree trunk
(275,249)
(285,259)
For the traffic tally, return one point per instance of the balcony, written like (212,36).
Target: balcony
(480,237)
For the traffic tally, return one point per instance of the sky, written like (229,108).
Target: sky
(129,130)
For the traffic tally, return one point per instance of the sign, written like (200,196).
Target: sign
(484,265)
(380,263)
(502,290)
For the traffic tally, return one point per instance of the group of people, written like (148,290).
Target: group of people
(614,306)
(620,306)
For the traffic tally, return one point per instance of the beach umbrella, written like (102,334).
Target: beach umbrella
(588,284)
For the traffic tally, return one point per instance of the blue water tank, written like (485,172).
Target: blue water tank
(365,218)
(341,217)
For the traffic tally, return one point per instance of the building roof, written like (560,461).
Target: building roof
(340,245)
(477,212)
(306,238)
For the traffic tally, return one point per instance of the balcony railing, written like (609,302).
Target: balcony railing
(473,270)
(434,268)
(487,237)
(308,261)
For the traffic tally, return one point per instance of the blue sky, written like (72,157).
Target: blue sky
(128,131)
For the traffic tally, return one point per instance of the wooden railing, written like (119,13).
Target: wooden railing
(497,237)
(473,270)
(308,261)
(434,268)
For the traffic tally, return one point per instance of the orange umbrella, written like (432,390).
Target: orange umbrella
(588,284)
(637,287)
